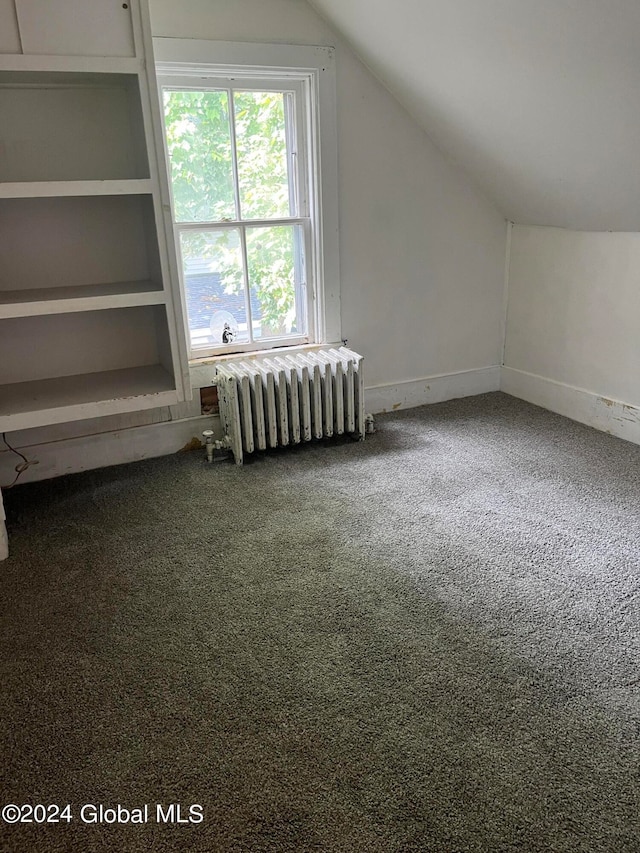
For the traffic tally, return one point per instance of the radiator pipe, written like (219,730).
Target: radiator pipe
(208,443)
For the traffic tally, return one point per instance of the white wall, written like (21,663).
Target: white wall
(573,320)
(422,253)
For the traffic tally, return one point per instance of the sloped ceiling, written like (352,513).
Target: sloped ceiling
(538,100)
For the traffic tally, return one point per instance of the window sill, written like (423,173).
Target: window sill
(202,371)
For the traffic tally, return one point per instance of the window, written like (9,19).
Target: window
(239,181)
(244,155)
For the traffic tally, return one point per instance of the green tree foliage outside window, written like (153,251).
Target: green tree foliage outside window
(199,138)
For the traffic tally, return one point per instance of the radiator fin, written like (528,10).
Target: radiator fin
(287,399)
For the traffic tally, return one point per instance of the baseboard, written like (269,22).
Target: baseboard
(99,450)
(611,416)
(82,453)
(431,389)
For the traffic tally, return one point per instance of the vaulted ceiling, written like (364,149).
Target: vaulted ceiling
(538,100)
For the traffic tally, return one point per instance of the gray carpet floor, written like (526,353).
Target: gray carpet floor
(428,641)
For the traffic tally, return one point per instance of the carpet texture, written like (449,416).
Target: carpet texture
(428,641)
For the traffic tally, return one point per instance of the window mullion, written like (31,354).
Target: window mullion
(234,153)
(201,225)
(243,233)
(292,152)
(247,291)
(309,290)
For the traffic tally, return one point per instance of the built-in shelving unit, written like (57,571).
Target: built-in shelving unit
(90,316)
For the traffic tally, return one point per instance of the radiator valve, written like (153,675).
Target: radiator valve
(208,443)
(369,426)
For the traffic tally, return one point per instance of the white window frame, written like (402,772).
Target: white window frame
(182,60)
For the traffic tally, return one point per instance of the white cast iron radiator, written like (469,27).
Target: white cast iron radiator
(281,400)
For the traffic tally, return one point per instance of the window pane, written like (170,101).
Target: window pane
(199,144)
(214,284)
(274,259)
(261,145)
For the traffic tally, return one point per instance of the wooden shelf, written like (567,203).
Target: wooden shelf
(81,64)
(55,189)
(87,297)
(28,404)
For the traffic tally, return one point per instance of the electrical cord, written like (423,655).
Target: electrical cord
(21,467)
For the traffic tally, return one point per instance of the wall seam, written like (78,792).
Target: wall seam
(505,291)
